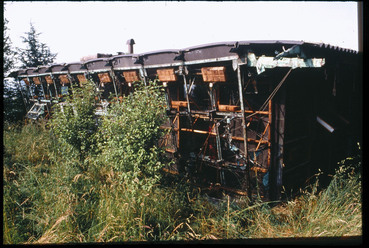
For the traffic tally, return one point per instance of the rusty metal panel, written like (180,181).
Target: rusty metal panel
(64,79)
(166,75)
(228,108)
(82,78)
(176,104)
(25,80)
(131,76)
(36,80)
(49,80)
(213,74)
(104,77)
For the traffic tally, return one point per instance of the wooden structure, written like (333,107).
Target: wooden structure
(244,116)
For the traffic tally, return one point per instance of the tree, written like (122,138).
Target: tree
(9,58)
(36,53)
(13,106)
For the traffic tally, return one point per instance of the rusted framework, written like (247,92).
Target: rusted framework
(242,115)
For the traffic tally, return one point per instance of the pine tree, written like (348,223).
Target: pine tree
(13,106)
(9,58)
(36,53)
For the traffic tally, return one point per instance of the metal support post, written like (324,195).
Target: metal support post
(277,145)
(56,90)
(42,87)
(242,112)
(47,105)
(187,98)
(217,138)
(142,75)
(240,89)
(270,133)
(31,92)
(113,78)
(166,94)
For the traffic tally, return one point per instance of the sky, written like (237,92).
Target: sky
(77,29)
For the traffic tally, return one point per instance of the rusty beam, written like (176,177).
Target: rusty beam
(214,134)
(259,169)
(270,133)
(256,112)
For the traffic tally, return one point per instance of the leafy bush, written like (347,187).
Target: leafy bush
(129,134)
(74,123)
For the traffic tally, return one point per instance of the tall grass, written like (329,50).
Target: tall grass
(52,201)
(50,198)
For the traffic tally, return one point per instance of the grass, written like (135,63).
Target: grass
(49,199)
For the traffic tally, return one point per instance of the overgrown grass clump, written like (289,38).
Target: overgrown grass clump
(112,188)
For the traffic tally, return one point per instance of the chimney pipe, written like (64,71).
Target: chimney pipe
(360,25)
(130,44)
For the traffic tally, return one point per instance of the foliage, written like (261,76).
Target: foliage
(26,159)
(9,57)
(332,212)
(36,53)
(129,135)
(73,121)
(12,100)
(14,108)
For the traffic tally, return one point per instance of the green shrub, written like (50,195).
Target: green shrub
(74,123)
(128,137)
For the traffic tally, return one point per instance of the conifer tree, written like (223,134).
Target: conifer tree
(13,106)
(36,53)
(9,58)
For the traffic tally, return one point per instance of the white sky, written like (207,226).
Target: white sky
(77,29)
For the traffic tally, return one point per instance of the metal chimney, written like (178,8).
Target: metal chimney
(130,44)
(360,26)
